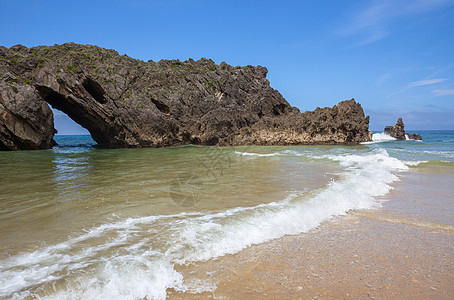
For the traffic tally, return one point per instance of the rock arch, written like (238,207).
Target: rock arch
(124,102)
(71,106)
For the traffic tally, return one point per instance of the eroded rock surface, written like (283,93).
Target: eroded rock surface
(398,131)
(126,102)
(414,136)
(26,122)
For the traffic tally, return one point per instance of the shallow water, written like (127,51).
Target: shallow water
(82,222)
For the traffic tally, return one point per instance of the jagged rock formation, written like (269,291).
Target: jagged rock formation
(398,131)
(26,121)
(125,102)
(414,136)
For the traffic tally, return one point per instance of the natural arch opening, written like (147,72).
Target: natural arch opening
(76,112)
(69,133)
(65,125)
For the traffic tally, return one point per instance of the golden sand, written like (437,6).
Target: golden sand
(404,250)
(353,257)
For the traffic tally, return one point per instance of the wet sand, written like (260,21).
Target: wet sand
(404,250)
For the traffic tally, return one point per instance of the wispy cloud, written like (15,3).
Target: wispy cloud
(413,84)
(425,82)
(383,78)
(443,92)
(372,23)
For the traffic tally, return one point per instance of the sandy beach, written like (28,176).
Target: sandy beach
(404,250)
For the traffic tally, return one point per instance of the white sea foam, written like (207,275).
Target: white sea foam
(431,154)
(135,258)
(415,163)
(256,154)
(379,138)
(279,153)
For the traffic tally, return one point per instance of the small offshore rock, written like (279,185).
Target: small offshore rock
(414,136)
(398,132)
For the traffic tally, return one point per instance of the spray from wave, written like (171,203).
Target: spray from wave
(380,138)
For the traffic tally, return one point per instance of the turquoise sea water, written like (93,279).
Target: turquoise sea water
(81,222)
(436,145)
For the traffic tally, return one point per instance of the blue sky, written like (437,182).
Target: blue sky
(395,57)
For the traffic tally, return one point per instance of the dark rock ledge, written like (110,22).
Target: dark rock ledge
(125,102)
(398,131)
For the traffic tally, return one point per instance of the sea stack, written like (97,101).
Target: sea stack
(398,132)
(125,102)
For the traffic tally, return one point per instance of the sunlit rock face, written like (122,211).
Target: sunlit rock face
(125,102)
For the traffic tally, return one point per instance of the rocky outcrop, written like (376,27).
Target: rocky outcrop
(26,122)
(414,136)
(125,102)
(398,132)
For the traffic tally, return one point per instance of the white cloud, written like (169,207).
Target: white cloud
(425,82)
(417,83)
(443,92)
(383,78)
(372,23)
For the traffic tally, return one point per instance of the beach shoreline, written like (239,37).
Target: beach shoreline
(395,252)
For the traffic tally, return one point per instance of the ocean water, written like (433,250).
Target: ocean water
(81,222)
